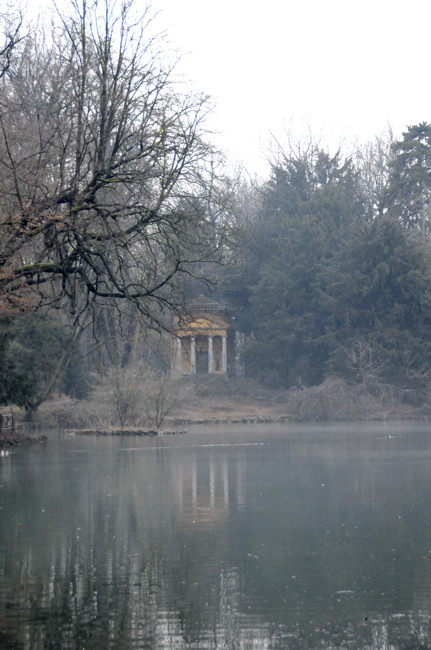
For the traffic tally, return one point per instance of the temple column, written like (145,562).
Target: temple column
(224,354)
(210,354)
(212,482)
(225,484)
(194,485)
(178,355)
(193,355)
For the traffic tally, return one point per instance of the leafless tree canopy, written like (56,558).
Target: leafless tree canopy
(11,22)
(108,188)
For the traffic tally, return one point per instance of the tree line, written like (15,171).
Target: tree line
(115,207)
(111,193)
(334,276)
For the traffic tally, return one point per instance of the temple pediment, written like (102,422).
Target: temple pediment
(202,326)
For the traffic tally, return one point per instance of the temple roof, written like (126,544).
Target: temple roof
(203,304)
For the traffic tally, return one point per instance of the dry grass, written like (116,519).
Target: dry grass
(336,400)
(219,398)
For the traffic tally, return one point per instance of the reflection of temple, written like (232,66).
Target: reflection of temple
(204,340)
(207,486)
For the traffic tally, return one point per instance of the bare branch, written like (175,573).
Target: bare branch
(109,190)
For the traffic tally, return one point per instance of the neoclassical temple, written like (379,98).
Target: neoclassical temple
(203,340)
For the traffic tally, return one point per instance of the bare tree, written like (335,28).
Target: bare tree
(364,362)
(125,392)
(166,395)
(138,395)
(372,160)
(11,23)
(106,178)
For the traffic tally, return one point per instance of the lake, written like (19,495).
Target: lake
(250,537)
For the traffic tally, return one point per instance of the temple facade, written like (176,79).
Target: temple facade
(203,340)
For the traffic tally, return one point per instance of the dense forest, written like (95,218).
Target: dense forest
(333,276)
(116,209)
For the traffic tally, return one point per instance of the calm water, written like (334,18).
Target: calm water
(288,537)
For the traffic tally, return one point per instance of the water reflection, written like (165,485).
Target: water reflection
(294,538)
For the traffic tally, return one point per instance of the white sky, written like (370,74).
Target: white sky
(345,67)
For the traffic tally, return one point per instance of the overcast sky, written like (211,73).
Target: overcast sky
(348,68)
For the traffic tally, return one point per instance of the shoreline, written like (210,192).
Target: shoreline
(123,431)
(219,402)
(176,427)
(20,438)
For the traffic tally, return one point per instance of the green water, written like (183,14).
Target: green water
(281,537)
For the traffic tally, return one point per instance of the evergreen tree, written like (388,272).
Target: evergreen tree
(377,302)
(15,384)
(40,348)
(307,205)
(408,196)
(325,289)
(33,364)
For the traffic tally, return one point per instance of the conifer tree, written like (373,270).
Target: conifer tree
(408,196)
(307,205)
(378,307)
